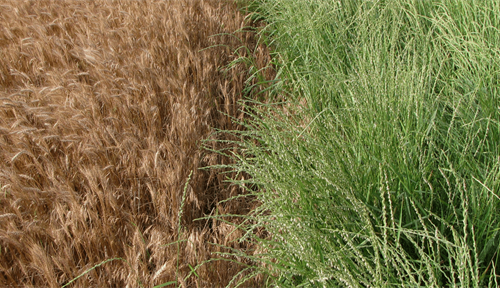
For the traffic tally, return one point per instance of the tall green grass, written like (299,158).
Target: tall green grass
(382,167)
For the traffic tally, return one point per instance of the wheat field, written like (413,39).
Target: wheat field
(104,109)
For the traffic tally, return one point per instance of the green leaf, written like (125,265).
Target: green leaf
(165,284)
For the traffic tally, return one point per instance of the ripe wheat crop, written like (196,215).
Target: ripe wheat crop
(103,109)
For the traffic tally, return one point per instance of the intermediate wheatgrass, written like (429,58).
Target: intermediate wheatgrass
(382,167)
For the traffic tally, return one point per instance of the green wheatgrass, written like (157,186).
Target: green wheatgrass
(382,167)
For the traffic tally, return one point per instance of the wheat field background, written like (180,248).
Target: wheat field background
(104,106)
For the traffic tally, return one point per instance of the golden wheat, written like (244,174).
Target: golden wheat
(103,107)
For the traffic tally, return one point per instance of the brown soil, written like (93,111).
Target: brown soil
(103,108)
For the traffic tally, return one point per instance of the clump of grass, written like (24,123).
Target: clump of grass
(383,166)
(103,108)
